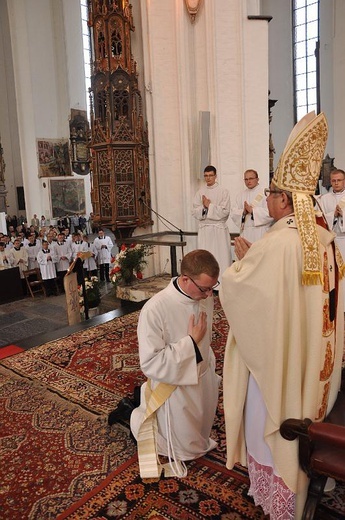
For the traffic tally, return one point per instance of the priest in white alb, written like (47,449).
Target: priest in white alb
(211,207)
(249,212)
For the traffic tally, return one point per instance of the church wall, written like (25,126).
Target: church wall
(280,71)
(8,114)
(338,83)
(327,57)
(217,65)
(46,48)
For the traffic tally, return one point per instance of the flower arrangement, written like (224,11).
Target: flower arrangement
(129,263)
(93,293)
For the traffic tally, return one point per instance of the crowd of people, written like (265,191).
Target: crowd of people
(52,249)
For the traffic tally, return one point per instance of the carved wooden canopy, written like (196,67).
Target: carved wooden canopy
(119,138)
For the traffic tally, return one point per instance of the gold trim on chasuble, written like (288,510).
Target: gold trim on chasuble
(328,339)
(306,225)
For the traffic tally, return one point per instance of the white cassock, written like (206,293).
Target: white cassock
(257,223)
(63,249)
(15,255)
(5,260)
(47,262)
(76,247)
(167,354)
(328,202)
(32,250)
(90,263)
(103,253)
(213,234)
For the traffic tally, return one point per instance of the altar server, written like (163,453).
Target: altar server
(211,207)
(89,265)
(103,245)
(33,246)
(46,259)
(63,253)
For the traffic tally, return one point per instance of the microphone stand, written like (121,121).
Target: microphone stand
(173,262)
(163,218)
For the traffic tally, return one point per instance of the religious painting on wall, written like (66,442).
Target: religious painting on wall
(67,197)
(53,158)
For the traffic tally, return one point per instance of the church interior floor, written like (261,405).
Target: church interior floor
(33,321)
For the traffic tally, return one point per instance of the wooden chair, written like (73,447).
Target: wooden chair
(34,281)
(321,449)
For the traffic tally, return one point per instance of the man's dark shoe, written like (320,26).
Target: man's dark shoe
(137,392)
(123,411)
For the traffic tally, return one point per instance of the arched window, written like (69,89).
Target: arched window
(305,20)
(87,52)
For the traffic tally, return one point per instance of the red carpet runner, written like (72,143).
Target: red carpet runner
(10,350)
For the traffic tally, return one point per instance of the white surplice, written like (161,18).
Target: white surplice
(90,263)
(257,223)
(19,258)
(63,249)
(167,354)
(103,247)
(213,234)
(32,250)
(47,262)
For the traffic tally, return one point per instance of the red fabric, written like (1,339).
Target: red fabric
(10,350)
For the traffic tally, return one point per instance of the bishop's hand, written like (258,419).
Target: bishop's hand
(241,247)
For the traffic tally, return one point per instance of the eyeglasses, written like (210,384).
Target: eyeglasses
(268,192)
(250,179)
(210,175)
(204,289)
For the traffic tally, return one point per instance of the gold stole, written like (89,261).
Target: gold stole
(149,463)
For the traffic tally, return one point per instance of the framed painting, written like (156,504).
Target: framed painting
(67,197)
(53,158)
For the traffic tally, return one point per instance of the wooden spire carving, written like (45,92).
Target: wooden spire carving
(119,139)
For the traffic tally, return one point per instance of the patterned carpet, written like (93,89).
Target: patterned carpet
(56,447)
(209,491)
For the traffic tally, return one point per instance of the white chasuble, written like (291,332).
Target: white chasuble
(281,341)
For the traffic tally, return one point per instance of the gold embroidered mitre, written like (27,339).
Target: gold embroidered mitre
(298,171)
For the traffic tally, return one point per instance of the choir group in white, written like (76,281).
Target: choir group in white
(53,257)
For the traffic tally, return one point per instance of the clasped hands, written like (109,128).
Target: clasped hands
(338,211)
(205,201)
(247,208)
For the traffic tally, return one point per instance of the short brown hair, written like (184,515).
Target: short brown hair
(210,168)
(199,262)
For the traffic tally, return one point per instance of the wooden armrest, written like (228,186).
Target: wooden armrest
(290,429)
(330,434)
